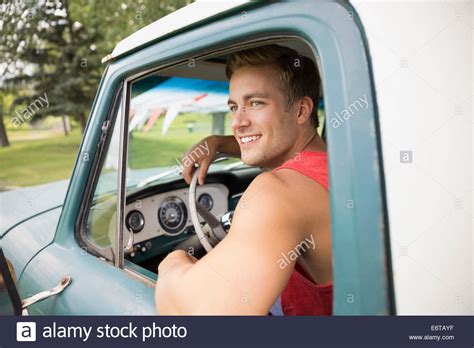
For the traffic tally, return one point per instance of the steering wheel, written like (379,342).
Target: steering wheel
(214,231)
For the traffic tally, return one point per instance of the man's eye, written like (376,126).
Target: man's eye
(233,108)
(255,103)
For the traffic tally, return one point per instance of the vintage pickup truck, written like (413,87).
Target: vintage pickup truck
(396,109)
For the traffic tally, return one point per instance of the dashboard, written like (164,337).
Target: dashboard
(167,213)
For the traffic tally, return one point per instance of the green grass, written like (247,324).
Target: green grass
(152,149)
(38,161)
(147,150)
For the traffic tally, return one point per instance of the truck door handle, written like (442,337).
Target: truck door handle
(43,295)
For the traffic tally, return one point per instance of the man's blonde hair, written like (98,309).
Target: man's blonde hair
(298,74)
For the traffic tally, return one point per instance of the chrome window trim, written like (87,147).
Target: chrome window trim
(122,175)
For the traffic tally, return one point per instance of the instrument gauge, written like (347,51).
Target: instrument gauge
(206,200)
(172,215)
(135,221)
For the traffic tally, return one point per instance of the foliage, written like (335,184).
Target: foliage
(56,46)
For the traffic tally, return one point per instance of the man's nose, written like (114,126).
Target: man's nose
(240,118)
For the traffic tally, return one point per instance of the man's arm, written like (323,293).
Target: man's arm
(244,273)
(228,144)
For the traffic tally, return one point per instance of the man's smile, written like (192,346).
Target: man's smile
(249,139)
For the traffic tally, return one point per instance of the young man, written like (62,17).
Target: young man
(280,239)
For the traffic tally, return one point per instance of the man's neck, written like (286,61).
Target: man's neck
(316,144)
(307,142)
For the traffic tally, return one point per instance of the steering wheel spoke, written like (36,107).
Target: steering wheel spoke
(216,230)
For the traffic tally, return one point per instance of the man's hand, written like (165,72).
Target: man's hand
(205,152)
(170,270)
(176,258)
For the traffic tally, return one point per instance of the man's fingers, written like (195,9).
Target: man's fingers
(186,175)
(193,157)
(188,172)
(203,171)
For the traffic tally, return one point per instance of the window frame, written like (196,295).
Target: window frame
(97,162)
(123,153)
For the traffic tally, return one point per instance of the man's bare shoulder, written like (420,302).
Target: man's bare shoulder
(301,184)
(267,198)
(269,187)
(285,194)
(284,181)
(271,195)
(267,207)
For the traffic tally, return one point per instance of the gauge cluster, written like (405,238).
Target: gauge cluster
(168,213)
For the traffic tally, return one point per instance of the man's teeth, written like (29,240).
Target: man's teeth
(249,139)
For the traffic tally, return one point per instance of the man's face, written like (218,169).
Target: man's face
(261,123)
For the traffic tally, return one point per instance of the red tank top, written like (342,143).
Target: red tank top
(301,295)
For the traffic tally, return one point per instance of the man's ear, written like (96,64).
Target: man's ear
(305,109)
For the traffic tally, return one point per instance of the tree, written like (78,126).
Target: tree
(3,131)
(55,46)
